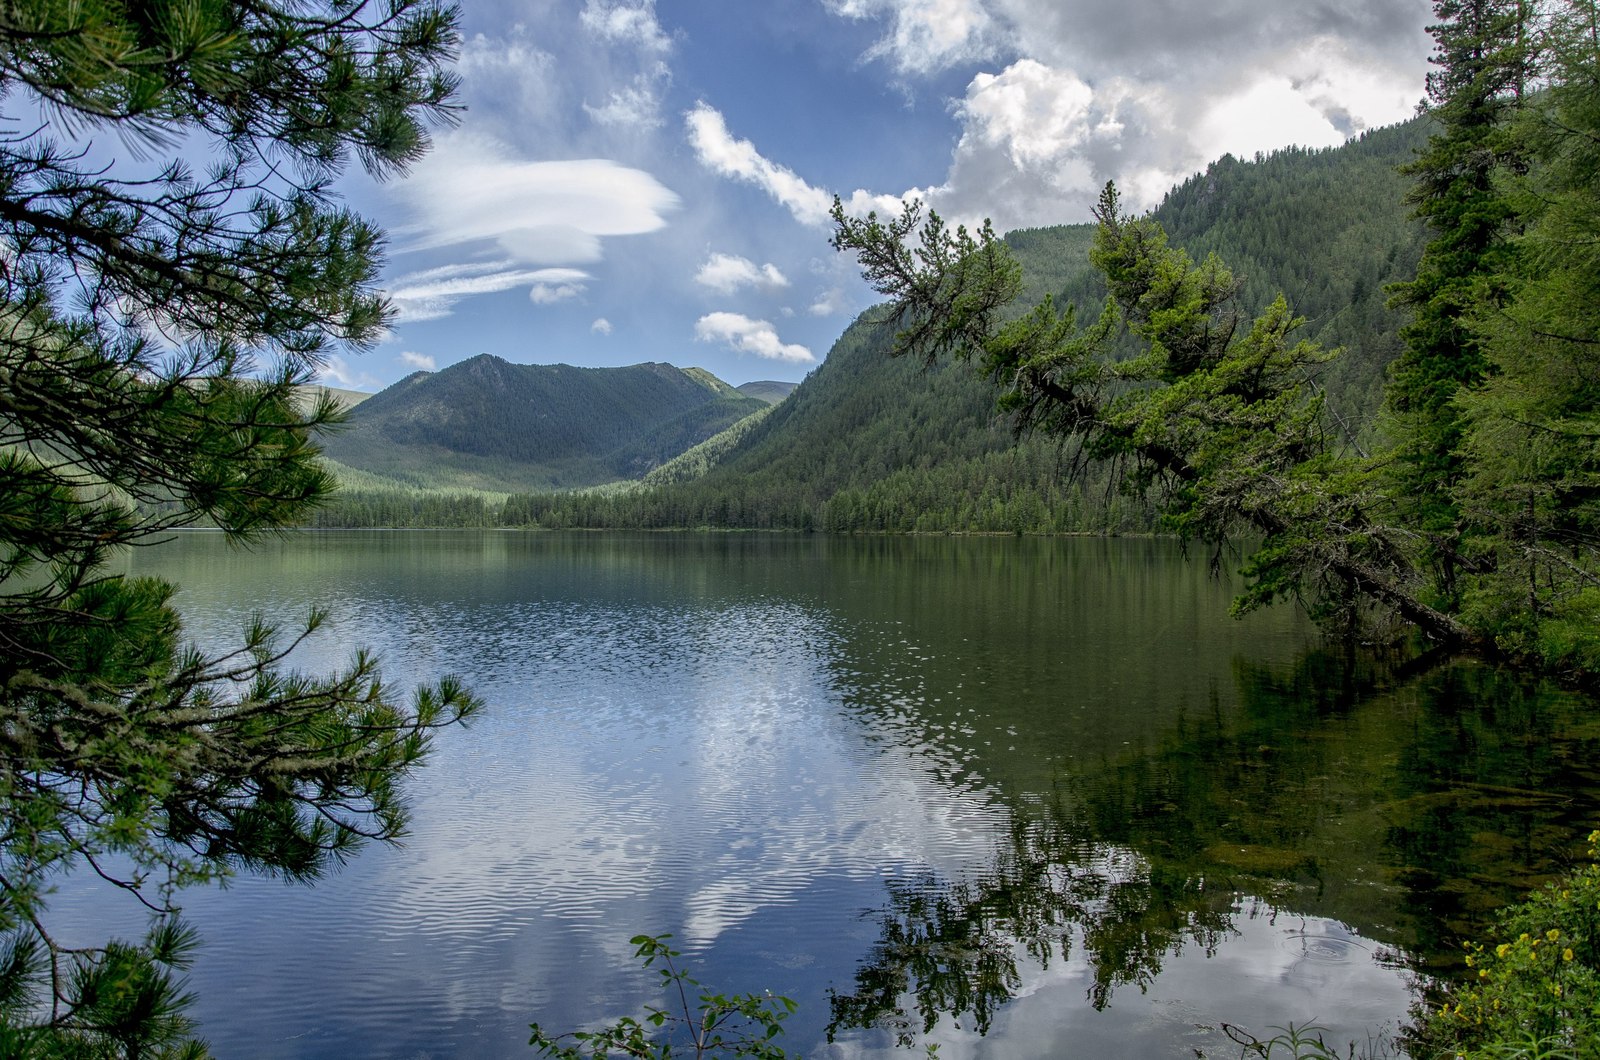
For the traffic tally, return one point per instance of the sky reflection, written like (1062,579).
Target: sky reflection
(681,738)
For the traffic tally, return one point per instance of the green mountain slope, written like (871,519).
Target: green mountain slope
(1329,229)
(697,460)
(771,391)
(488,424)
(869,442)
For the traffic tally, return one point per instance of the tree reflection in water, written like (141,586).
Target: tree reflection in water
(954,949)
(1407,806)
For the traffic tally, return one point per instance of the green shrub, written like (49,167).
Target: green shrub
(1534,986)
(709,1026)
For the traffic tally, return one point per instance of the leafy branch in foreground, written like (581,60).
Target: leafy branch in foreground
(1219,422)
(158,321)
(1476,520)
(710,1025)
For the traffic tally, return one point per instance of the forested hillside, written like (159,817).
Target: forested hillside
(1331,230)
(488,424)
(869,442)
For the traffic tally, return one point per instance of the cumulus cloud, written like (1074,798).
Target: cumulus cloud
(926,35)
(727,273)
(1144,92)
(557,285)
(1147,40)
(1038,141)
(830,302)
(718,150)
(418,360)
(745,335)
(619,21)
(1037,144)
(601,326)
(473,189)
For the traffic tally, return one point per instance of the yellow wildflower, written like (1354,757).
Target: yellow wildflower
(1553,934)
(1566,954)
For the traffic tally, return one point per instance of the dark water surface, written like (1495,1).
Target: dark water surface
(1022,798)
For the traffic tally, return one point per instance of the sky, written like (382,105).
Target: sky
(649,180)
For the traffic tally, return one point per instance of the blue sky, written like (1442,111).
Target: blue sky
(647,180)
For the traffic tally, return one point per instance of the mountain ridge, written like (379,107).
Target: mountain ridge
(486,423)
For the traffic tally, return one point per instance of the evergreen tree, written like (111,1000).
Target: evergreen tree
(1484,55)
(1533,428)
(155,326)
(1215,419)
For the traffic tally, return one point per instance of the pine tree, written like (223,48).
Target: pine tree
(157,323)
(1533,428)
(1215,420)
(1484,57)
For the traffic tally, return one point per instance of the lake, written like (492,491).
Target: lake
(1018,797)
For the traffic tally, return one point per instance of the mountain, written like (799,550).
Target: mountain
(869,442)
(310,392)
(487,424)
(771,391)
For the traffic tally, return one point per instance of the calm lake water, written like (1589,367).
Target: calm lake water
(1023,798)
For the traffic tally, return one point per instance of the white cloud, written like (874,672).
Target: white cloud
(1038,143)
(432,293)
(470,189)
(637,106)
(727,273)
(418,360)
(830,302)
(601,326)
(634,27)
(617,21)
(718,151)
(749,336)
(557,285)
(1031,110)
(926,36)
(1143,92)
(1039,139)
(1266,115)
(523,80)
(336,371)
